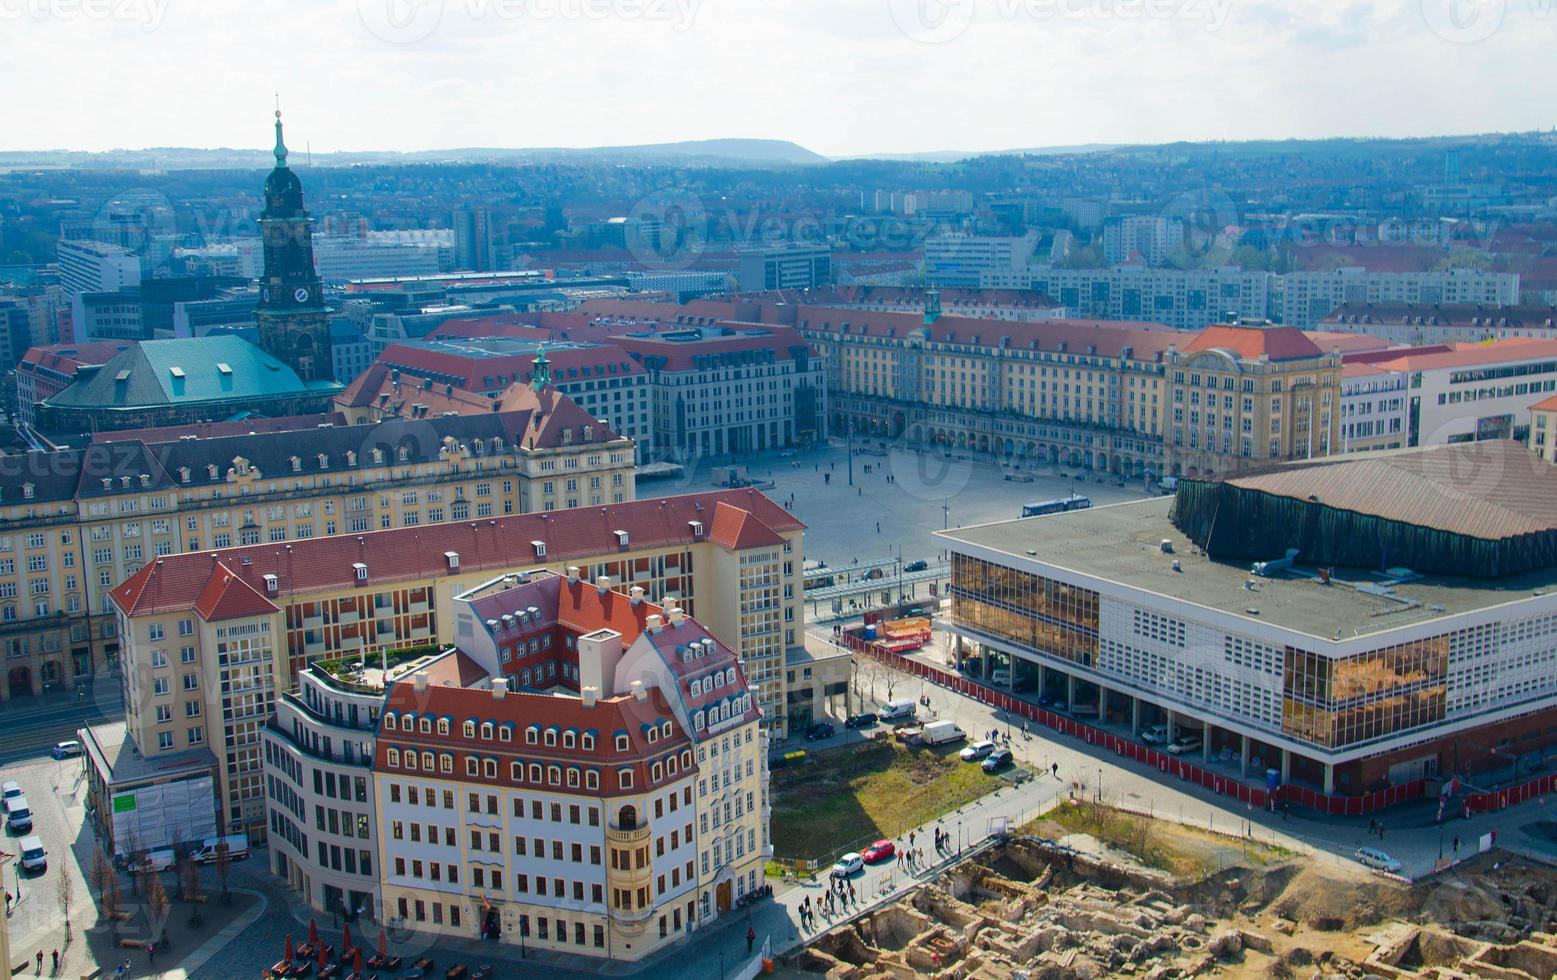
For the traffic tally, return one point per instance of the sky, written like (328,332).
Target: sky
(840,77)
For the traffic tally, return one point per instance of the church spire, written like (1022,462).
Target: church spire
(281,148)
(542,376)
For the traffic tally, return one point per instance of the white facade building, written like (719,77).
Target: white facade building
(97,267)
(964,260)
(1151,238)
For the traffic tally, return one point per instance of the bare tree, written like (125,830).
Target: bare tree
(188,879)
(156,903)
(65,890)
(223,864)
(891,677)
(105,882)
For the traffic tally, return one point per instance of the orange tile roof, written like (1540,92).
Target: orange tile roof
(226,596)
(1547,405)
(739,529)
(1470,355)
(1252,343)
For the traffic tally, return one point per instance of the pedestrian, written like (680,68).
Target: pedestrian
(1056,770)
(8,903)
(1381,830)
(40,962)
(910,838)
(751,938)
(878,527)
(859,491)
(1373,826)
(1456,843)
(851,893)
(56,961)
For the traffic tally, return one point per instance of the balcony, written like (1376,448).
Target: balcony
(636,834)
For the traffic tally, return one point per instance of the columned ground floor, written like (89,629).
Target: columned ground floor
(1502,751)
(1080,444)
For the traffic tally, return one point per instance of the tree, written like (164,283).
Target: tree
(156,903)
(189,887)
(65,893)
(891,677)
(223,869)
(105,882)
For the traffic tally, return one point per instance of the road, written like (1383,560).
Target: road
(32,725)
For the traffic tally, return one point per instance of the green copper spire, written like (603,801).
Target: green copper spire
(281,148)
(542,376)
(932,305)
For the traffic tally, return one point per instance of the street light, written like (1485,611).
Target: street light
(959,837)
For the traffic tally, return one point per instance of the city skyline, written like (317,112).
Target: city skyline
(868,79)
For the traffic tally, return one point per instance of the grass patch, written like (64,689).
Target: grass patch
(848,796)
(1134,835)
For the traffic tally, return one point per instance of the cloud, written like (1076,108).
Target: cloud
(839,76)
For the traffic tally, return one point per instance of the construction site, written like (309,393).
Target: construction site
(1037,909)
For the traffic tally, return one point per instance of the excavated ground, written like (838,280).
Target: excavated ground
(1031,909)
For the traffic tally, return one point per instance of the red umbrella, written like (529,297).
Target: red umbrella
(356,963)
(313,933)
(383,943)
(346,936)
(323,959)
(288,956)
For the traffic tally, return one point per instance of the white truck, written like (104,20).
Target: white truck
(902,708)
(237,848)
(941,732)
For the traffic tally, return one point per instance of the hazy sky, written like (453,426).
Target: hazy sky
(837,76)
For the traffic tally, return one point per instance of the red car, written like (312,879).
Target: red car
(878,852)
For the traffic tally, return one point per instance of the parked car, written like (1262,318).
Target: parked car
(1000,676)
(819,731)
(976,751)
(1053,699)
(1185,743)
(1372,857)
(864,719)
(34,857)
(66,749)
(237,848)
(916,566)
(1155,735)
(162,859)
(1020,477)
(848,865)
(18,816)
(878,852)
(10,788)
(997,760)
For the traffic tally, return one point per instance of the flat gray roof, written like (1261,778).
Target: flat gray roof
(111,746)
(1122,544)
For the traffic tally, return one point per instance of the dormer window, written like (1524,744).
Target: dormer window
(361,570)
(587,742)
(568,740)
(551,736)
(443,726)
(621,742)
(531,736)
(469,729)
(486,730)
(297,464)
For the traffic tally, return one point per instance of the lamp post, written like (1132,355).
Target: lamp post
(1100,784)
(849,447)
(959,837)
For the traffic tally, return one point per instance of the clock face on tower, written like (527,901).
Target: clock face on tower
(266,294)
(300,294)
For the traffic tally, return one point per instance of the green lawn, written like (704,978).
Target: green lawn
(851,795)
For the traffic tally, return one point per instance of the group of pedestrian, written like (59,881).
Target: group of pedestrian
(1376,827)
(55,971)
(942,841)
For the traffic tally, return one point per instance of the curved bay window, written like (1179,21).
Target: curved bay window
(1050,616)
(1334,703)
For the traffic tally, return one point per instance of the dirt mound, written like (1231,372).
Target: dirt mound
(1330,903)
(1454,899)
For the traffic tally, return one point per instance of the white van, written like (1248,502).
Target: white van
(237,848)
(33,856)
(898,710)
(162,859)
(18,816)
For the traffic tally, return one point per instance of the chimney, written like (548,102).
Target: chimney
(419,681)
(676,616)
(499,688)
(640,692)
(573,574)
(654,622)
(637,595)
(588,696)
(603,584)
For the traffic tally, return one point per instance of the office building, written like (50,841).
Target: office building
(473,239)
(982,304)
(1375,405)
(96,267)
(785,266)
(1543,429)
(1244,396)
(962,261)
(1186,299)
(734,557)
(1302,299)
(1330,666)
(340,259)
(1422,325)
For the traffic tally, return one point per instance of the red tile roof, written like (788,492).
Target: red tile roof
(739,529)
(1546,405)
(1468,355)
(1251,343)
(311,565)
(226,596)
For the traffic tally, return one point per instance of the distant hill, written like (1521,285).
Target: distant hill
(953,156)
(703,153)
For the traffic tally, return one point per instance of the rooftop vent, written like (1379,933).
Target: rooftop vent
(453,558)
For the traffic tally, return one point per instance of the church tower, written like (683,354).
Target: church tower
(294,324)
